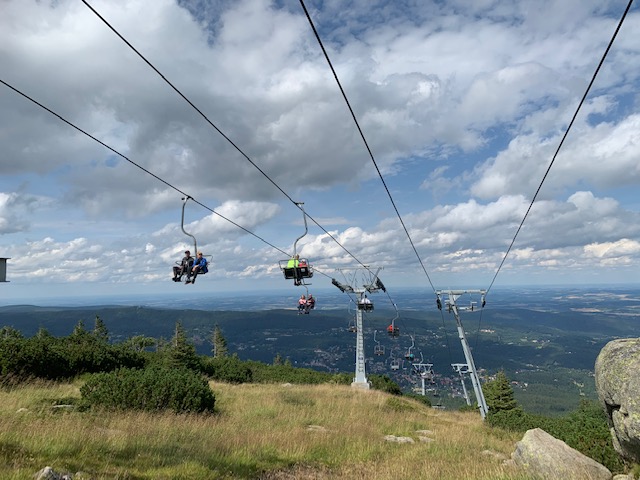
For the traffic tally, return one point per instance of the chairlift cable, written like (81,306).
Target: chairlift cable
(149,172)
(170,185)
(566,133)
(157,177)
(226,137)
(353,115)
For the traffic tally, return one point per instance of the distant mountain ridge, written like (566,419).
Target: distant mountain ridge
(547,347)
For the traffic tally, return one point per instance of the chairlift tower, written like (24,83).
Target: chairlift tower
(363,304)
(425,370)
(450,302)
(462,369)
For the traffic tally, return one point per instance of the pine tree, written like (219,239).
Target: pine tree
(499,394)
(79,331)
(181,351)
(100,330)
(10,332)
(278,360)
(219,348)
(43,333)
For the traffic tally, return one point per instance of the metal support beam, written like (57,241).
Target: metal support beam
(3,269)
(453,295)
(425,371)
(360,380)
(371,286)
(462,369)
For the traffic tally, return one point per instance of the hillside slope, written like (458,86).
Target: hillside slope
(258,431)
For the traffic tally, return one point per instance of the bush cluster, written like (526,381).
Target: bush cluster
(227,369)
(55,358)
(151,389)
(585,429)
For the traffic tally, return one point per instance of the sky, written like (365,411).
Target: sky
(462,106)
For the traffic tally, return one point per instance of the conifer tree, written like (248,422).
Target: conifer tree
(100,330)
(219,348)
(278,359)
(43,333)
(79,331)
(499,394)
(181,351)
(10,332)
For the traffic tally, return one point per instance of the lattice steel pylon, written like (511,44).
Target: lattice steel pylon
(364,304)
(450,302)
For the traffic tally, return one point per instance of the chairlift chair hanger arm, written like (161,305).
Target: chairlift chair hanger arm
(306,228)
(195,243)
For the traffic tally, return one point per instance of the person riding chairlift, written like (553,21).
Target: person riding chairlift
(366,300)
(302,304)
(199,266)
(311,303)
(294,263)
(185,265)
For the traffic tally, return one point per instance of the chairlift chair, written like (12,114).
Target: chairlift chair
(392,330)
(395,364)
(367,307)
(365,304)
(208,258)
(296,268)
(410,355)
(352,326)
(378,349)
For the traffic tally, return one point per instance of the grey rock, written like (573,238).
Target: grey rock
(543,456)
(47,473)
(618,384)
(393,438)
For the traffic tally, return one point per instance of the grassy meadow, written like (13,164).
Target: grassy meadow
(258,432)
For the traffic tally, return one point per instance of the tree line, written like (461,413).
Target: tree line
(156,374)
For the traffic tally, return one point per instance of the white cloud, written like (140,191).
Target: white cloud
(462,103)
(621,248)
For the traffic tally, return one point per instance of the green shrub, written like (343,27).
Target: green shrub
(585,430)
(514,420)
(152,389)
(384,384)
(35,357)
(44,356)
(226,369)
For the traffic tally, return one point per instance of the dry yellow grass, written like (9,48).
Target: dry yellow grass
(259,431)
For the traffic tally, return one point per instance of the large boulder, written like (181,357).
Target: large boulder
(618,384)
(543,456)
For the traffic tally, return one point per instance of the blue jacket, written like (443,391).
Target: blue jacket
(202,263)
